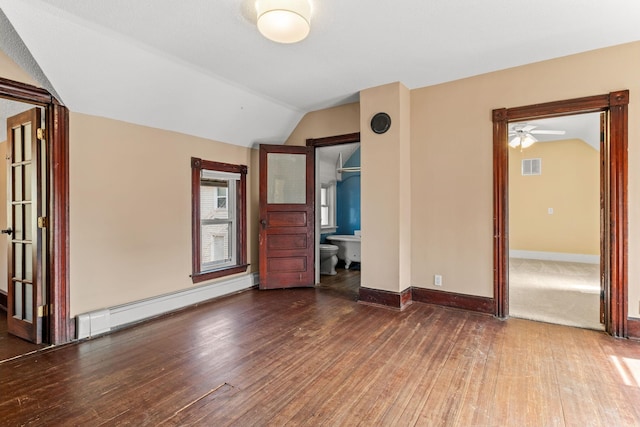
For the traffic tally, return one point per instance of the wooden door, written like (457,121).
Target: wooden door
(287,220)
(24,179)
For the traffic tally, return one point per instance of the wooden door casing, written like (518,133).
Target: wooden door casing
(615,106)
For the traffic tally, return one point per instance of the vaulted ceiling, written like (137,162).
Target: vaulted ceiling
(200,66)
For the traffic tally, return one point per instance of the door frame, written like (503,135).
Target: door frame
(59,327)
(316,143)
(615,106)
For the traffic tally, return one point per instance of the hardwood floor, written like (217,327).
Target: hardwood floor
(345,284)
(314,357)
(11,346)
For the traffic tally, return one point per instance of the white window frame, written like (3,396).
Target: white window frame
(330,189)
(210,178)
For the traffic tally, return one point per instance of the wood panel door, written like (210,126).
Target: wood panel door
(25,179)
(287,219)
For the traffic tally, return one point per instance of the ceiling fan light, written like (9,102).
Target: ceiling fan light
(528,141)
(514,142)
(284,21)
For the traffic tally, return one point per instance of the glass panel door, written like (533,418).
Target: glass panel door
(25,295)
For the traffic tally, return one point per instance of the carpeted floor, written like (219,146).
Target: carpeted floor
(565,293)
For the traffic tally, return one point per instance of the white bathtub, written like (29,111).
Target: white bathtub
(348,247)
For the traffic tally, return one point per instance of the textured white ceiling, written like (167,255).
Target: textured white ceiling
(201,67)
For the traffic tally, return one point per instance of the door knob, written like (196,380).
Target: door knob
(263,222)
(7,231)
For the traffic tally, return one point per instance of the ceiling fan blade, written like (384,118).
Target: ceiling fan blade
(548,132)
(528,128)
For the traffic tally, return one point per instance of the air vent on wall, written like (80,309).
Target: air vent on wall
(531,167)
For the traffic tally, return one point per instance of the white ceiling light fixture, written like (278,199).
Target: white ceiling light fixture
(284,21)
(523,140)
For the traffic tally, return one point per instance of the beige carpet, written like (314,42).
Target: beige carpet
(566,293)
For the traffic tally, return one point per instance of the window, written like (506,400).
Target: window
(218,196)
(328,206)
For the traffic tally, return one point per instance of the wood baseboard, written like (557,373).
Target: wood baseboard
(3,300)
(450,299)
(388,299)
(633,328)
(400,300)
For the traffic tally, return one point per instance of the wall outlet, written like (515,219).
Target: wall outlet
(437,280)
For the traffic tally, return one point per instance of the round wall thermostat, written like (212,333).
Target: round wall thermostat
(380,123)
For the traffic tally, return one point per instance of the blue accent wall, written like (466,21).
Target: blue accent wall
(348,197)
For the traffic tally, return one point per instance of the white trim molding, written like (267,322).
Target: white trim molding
(106,320)
(555,256)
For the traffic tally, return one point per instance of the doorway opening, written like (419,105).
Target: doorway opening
(554,220)
(614,203)
(338,231)
(35,293)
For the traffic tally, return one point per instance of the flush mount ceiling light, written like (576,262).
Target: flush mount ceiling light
(284,21)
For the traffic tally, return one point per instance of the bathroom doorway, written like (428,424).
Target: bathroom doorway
(337,184)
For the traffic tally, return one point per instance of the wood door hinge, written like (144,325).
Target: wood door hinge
(43,222)
(40,134)
(43,310)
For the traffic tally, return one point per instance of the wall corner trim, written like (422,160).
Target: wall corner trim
(106,320)
(386,299)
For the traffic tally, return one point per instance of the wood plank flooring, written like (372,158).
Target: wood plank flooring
(12,346)
(315,357)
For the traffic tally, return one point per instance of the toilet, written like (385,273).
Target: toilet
(328,259)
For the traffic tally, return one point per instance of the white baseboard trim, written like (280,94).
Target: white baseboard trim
(105,320)
(555,256)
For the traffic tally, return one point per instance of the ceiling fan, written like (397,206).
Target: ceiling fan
(523,134)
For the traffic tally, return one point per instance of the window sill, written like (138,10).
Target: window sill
(327,229)
(227,271)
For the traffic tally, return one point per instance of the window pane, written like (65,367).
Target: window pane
(222,198)
(286,178)
(216,245)
(212,204)
(323,196)
(17,299)
(324,215)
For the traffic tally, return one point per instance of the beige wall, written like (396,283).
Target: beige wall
(328,122)
(451,156)
(10,70)
(570,185)
(130,209)
(385,190)
(130,190)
